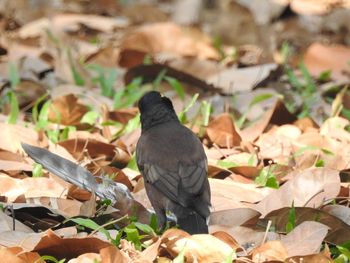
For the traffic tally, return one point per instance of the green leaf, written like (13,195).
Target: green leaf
(310,84)
(226,164)
(325,76)
(133,236)
(147,60)
(341,259)
(78,79)
(88,223)
(176,85)
(53,135)
(267,178)
(13,75)
(346,113)
(35,110)
(159,79)
(132,124)
(293,80)
(154,222)
(64,135)
(285,52)
(37,170)
(145,228)
(291,219)
(319,163)
(52,259)
(304,149)
(252,160)
(272,182)
(231,257)
(205,110)
(182,114)
(344,251)
(90,117)
(132,164)
(260,98)
(12,119)
(43,116)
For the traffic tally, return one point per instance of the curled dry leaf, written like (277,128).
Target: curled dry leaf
(197,248)
(277,143)
(13,135)
(225,237)
(230,195)
(13,188)
(51,244)
(270,251)
(335,128)
(246,236)
(305,239)
(338,233)
(18,255)
(112,254)
(319,58)
(309,187)
(222,131)
(67,110)
(163,38)
(278,115)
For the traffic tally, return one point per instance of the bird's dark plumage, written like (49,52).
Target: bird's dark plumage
(172,161)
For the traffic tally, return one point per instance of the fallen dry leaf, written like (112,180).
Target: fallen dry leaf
(319,58)
(222,131)
(305,239)
(165,38)
(270,251)
(309,188)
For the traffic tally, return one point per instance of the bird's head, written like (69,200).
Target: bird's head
(153,99)
(155,109)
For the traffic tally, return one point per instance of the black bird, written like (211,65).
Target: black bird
(172,161)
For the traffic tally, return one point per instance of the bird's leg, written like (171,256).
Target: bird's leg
(161,217)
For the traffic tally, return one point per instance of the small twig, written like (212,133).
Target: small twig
(266,231)
(108,223)
(308,201)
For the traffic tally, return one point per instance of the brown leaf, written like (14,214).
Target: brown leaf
(339,211)
(18,255)
(306,188)
(222,131)
(29,187)
(150,72)
(319,58)
(112,254)
(338,230)
(67,110)
(233,217)
(278,115)
(229,240)
(318,258)
(272,250)
(123,115)
(201,248)
(13,135)
(68,248)
(305,239)
(229,195)
(165,38)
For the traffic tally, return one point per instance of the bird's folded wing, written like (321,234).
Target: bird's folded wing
(180,186)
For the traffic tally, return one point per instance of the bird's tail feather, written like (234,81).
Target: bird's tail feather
(193,224)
